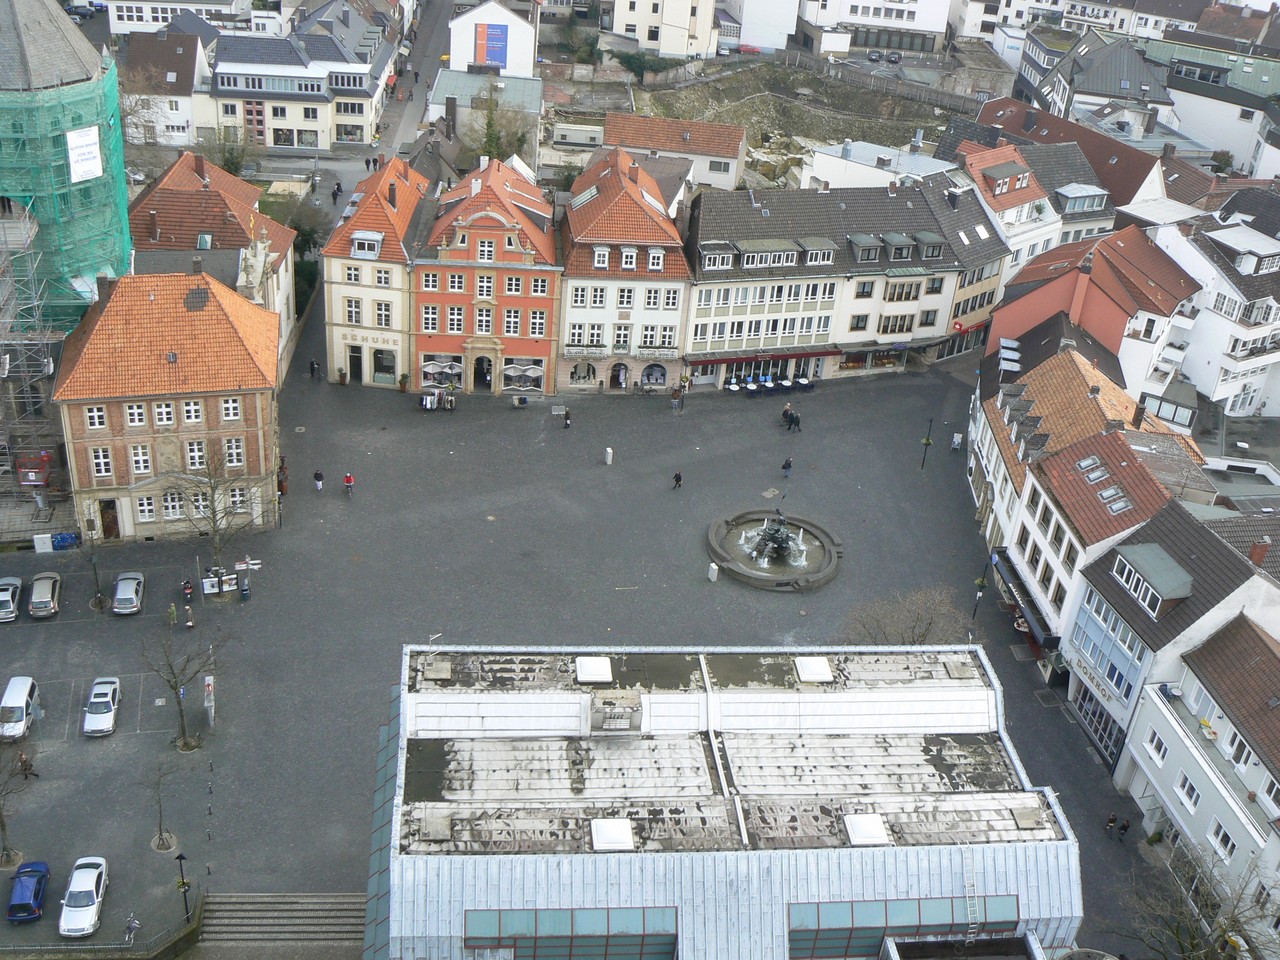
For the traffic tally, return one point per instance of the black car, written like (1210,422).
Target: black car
(895,57)
(85,13)
(874,56)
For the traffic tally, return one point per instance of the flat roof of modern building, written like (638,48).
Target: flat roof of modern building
(529,753)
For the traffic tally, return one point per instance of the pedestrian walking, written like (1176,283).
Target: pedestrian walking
(678,479)
(338,186)
(173,614)
(795,421)
(191,620)
(566,418)
(786,468)
(318,477)
(411,94)
(314,368)
(786,414)
(1111,823)
(1122,829)
(415,76)
(26,766)
(334,196)
(368,163)
(375,164)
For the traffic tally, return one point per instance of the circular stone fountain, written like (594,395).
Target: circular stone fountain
(770,551)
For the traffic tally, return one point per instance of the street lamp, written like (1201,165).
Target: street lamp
(98,601)
(183,886)
(927,443)
(981,584)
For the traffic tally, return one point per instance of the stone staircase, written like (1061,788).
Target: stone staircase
(293,918)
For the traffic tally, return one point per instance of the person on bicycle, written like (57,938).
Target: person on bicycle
(349,482)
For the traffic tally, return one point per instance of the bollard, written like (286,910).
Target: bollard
(608,456)
(713,572)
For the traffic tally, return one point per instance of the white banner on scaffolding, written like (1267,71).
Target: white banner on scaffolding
(84,155)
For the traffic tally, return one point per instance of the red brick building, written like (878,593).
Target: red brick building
(487,287)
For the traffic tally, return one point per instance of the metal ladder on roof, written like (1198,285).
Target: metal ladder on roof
(970,893)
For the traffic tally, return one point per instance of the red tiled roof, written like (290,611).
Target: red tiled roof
(1059,391)
(505,191)
(626,206)
(976,158)
(121,348)
(375,213)
(673,136)
(185,207)
(1119,167)
(1085,512)
(1233,22)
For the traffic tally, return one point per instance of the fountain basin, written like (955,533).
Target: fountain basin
(813,564)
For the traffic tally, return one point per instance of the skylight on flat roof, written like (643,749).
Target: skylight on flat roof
(594,670)
(814,670)
(866,830)
(612,834)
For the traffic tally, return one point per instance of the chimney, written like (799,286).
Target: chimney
(199,165)
(634,172)
(104,287)
(893,188)
(1167,151)
(1095,390)
(155,225)
(391,193)
(475,183)
(846,149)
(346,15)
(1029,121)
(1258,552)
(484,162)
(883,161)
(1149,125)
(197,265)
(1139,412)
(915,147)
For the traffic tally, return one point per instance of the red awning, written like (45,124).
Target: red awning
(391,81)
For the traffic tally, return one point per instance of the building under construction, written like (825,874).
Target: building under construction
(63,222)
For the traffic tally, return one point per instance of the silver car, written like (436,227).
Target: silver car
(101,709)
(127,597)
(46,588)
(10,592)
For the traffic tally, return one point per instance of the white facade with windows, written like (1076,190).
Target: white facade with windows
(368,306)
(493,36)
(668,28)
(139,16)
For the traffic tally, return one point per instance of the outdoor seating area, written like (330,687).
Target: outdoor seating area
(758,386)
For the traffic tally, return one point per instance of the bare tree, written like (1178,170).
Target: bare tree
(13,781)
(223,501)
(142,105)
(1202,912)
(179,659)
(498,131)
(926,616)
(229,149)
(154,782)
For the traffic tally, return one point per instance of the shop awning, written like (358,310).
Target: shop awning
(767,353)
(1023,598)
(391,81)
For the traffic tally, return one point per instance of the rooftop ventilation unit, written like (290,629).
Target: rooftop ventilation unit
(814,670)
(594,670)
(866,830)
(612,835)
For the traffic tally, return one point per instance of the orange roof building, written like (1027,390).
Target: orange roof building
(197,209)
(718,150)
(487,288)
(626,280)
(370,318)
(167,393)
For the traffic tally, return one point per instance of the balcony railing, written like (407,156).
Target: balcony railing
(1253,358)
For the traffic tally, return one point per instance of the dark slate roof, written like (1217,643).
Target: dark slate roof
(224,265)
(961,129)
(1240,667)
(1215,568)
(1115,70)
(1187,11)
(794,215)
(195,26)
(245,48)
(1041,342)
(41,48)
(1252,286)
(1262,206)
(170,54)
(1243,530)
(1058,164)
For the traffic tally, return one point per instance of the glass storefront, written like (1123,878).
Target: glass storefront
(441,369)
(523,374)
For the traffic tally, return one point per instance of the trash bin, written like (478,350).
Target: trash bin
(244,588)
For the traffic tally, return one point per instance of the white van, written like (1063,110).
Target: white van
(18,708)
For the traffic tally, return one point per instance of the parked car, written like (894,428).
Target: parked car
(82,904)
(76,20)
(98,5)
(18,707)
(895,57)
(101,709)
(722,52)
(127,597)
(46,589)
(135,175)
(85,13)
(874,56)
(747,48)
(26,900)
(10,592)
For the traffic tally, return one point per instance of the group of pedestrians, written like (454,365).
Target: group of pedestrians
(1120,830)
(791,419)
(348,482)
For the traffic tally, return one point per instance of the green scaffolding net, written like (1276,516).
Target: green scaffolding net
(62,156)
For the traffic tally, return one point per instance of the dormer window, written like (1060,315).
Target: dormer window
(657,257)
(868,255)
(1002,186)
(815,257)
(1269,264)
(901,253)
(601,261)
(628,258)
(462,240)
(1023,180)
(366,244)
(1137,585)
(1148,572)
(717,261)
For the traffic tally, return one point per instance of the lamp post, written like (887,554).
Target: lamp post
(183,886)
(927,442)
(98,603)
(981,584)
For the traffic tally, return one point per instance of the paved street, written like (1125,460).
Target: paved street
(491,525)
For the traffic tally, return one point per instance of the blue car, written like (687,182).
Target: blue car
(26,902)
